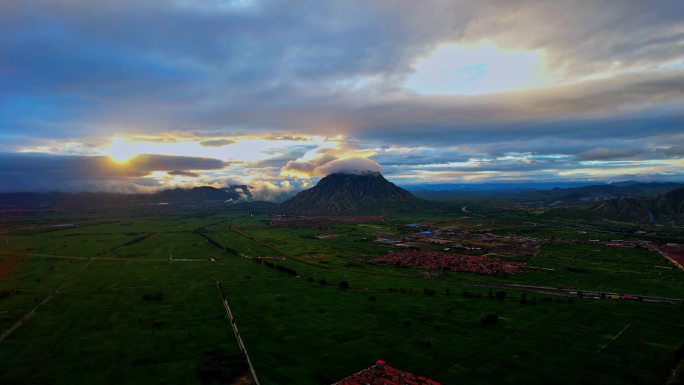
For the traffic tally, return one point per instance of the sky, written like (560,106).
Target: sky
(136,96)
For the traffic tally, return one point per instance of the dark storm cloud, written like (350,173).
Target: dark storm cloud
(674,151)
(184,173)
(148,163)
(513,164)
(274,65)
(418,156)
(216,142)
(41,172)
(627,106)
(604,153)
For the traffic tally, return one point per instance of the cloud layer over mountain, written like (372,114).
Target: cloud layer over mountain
(589,90)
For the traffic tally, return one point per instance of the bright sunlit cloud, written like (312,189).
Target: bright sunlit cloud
(121,150)
(478,68)
(241,149)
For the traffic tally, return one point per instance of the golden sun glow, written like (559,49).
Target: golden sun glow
(121,150)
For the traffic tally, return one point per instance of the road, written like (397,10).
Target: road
(465,210)
(233,324)
(582,293)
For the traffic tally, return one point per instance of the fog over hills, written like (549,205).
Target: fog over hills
(548,193)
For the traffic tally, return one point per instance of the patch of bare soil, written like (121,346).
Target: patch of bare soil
(244,379)
(10,263)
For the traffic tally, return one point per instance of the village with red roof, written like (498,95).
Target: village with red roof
(383,374)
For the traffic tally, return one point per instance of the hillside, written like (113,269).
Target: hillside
(665,208)
(520,193)
(609,191)
(352,194)
(204,193)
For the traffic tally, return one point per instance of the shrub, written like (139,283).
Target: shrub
(323,282)
(286,269)
(343,285)
(158,296)
(489,319)
(324,378)
(218,366)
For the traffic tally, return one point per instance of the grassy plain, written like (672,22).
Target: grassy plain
(120,312)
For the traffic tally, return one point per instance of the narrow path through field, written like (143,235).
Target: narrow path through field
(123,259)
(133,241)
(615,337)
(23,319)
(30,314)
(233,324)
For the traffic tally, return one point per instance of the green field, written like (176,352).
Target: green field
(119,311)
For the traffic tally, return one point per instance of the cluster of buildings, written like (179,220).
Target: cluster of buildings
(383,374)
(451,238)
(673,252)
(632,244)
(438,260)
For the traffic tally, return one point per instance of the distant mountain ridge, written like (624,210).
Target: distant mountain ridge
(199,194)
(590,193)
(612,190)
(351,194)
(665,208)
(229,194)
